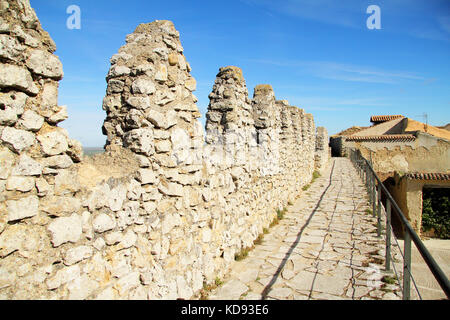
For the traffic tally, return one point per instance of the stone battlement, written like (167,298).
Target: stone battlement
(169,204)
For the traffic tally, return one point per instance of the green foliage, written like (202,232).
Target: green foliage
(316,175)
(435,212)
(389,280)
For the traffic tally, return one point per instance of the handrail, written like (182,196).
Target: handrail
(437,272)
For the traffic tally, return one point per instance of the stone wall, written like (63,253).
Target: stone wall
(167,206)
(323,151)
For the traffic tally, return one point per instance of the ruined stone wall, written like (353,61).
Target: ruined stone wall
(323,151)
(167,206)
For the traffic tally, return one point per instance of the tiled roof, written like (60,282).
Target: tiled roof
(383,138)
(385,118)
(428,176)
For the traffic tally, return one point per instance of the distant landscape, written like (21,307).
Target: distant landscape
(90,151)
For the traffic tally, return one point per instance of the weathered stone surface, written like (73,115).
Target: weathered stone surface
(81,287)
(7,160)
(22,208)
(19,140)
(59,114)
(10,48)
(57,162)
(23,184)
(46,64)
(170,188)
(65,229)
(60,205)
(27,166)
(77,254)
(128,282)
(12,76)
(146,176)
(53,142)
(13,238)
(63,276)
(143,86)
(103,222)
(31,121)
(140,141)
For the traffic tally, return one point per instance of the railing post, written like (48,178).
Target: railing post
(374,195)
(379,211)
(407,267)
(388,235)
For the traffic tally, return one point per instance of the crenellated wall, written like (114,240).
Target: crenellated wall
(168,205)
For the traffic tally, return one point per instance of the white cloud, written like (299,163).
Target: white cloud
(346,72)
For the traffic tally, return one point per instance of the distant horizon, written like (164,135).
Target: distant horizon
(320,56)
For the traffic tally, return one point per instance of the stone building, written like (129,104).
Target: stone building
(406,154)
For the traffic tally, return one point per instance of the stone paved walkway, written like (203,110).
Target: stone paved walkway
(326,247)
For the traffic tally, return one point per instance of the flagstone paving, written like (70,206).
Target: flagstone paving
(326,247)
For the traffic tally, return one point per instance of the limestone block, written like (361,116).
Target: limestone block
(163,146)
(103,222)
(42,187)
(45,64)
(66,181)
(26,166)
(77,254)
(140,103)
(23,184)
(65,229)
(184,290)
(140,141)
(81,287)
(57,162)
(115,86)
(117,71)
(190,84)
(63,276)
(19,140)
(12,239)
(16,77)
(7,160)
(146,176)
(127,283)
(8,117)
(10,48)
(31,121)
(59,114)
(49,98)
(161,73)
(59,205)
(163,97)
(53,142)
(22,208)
(116,197)
(170,188)
(143,86)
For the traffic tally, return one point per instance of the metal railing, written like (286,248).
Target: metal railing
(376,188)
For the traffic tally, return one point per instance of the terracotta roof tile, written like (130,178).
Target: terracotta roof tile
(428,176)
(385,118)
(383,138)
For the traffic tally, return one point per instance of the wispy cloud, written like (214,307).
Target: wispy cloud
(415,18)
(346,72)
(340,13)
(334,104)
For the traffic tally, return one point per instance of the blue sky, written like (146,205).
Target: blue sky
(318,54)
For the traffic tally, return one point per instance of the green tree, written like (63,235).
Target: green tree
(435,212)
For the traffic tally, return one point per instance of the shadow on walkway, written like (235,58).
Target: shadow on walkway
(297,240)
